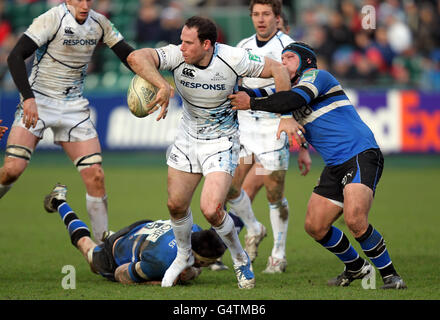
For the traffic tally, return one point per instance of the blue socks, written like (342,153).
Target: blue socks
(76,228)
(337,243)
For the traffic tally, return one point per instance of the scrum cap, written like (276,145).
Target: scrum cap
(307,57)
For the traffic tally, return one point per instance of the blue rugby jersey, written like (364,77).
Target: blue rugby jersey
(158,252)
(333,126)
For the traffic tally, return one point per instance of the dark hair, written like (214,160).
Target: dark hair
(207,243)
(206,29)
(275,4)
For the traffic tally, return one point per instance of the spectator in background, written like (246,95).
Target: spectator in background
(390,8)
(171,21)
(283,24)
(338,33)
(104,7)
(407,67)
(427,35)
(317,37)
(148,26)
(367,59)
(431,74)
(382,44)
(351,16)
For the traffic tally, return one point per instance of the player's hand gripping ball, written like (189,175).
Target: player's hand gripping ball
(140,94)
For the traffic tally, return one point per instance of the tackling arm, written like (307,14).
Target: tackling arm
(279,73)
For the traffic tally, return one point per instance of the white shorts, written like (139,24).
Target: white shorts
(193,155)
(258,136)
(69,120)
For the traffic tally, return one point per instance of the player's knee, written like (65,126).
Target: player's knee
(315,229)
(11,171)
(94,176)
(356,223)
(275,194)
(213,213)
(177,209)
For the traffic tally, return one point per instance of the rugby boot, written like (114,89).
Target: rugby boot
(59,192)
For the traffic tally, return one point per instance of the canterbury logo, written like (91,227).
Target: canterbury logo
(187,72)
(68,30)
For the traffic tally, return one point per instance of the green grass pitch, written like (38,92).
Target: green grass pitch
(34,246)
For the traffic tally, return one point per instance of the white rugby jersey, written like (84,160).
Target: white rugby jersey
(271,49)
(207,112)
(65,49)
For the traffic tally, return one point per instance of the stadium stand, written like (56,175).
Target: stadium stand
(401,51)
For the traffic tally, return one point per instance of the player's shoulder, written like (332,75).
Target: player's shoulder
(245,41)
(283,38)
(98,17)
(228,53)
(312,75)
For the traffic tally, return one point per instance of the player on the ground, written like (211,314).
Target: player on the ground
(139,253)
(354,162)
(206,145)
(63,39)
(2,129)
(258,142)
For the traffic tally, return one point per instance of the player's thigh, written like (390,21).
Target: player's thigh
(20,146)
(254,180)
(321,214)
(77,149)
(274,184)
(181,187)
(215,188)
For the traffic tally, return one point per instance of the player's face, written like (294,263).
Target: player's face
(264,20)
(193,51)
(291,61)
(80,9)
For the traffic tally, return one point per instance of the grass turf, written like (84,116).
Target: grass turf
(34,246)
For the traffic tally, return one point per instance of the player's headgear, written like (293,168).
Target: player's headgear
(307,57)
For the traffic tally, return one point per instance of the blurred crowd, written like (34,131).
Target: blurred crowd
(400,47)
(368,43)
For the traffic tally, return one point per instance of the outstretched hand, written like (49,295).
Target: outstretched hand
(162,100)
(240,100)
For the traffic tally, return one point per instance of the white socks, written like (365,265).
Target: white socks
(184,259)
(279,219)
(226,231)
(242,206)
(4,189)
(97,210)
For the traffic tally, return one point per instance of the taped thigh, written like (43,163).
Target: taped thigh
(17,151)
(87,161)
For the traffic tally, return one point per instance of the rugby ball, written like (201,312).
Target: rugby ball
(140,94)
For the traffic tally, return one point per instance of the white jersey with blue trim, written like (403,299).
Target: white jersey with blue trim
(207,112)
(333,126)
(272,49)
(65,48)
